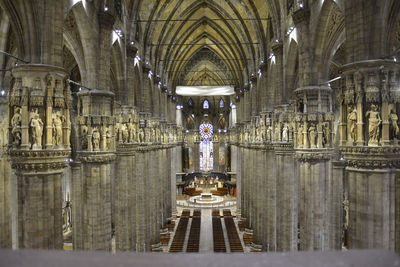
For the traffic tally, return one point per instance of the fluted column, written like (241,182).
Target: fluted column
(146,104)
(286,199)
(140,201)
(39,98)
(5,187)
(271,204)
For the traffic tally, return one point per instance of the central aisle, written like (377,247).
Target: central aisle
(206,232)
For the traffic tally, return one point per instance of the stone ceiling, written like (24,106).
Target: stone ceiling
(204,42)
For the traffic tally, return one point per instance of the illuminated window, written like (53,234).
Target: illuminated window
(221,103)
(206,104)
(206,147)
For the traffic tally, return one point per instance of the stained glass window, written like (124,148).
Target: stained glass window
(206,131)
(221,103)
(206,104)
(206,147)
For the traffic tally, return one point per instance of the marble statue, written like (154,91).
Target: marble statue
(394,126)
(269,133)
(16,126)
(84,141)
(57,128)
(312,134)
(141,135)
(325,134)
(108,138)
(132,132)
(37,129)
(124,133)
(352,121)
(374,123)
(285,133)
(277,133)
(300,139)
(96,139)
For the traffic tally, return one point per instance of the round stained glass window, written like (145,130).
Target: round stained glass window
(206,131)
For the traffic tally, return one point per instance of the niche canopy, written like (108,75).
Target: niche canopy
(204,90)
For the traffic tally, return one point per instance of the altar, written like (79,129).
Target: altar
(206,196)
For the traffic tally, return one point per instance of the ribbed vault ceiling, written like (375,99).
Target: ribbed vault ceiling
(203,42)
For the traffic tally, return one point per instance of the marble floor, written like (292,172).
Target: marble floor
(206,232)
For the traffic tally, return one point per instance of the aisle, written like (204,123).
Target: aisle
(206,232)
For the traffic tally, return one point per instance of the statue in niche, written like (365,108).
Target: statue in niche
(153,135)
(312,134)
(141,135)
(84,139)
(37,129)
(374,123)
(96,139)
(269,133)
(118,127)
(57,128)
(16,126)
(277,133)
(108,138)
(352,121)
(285,133)
(158,137)
(393,122)
(300,138)
(124,133)
(325,134)
(132,132)
(258,134)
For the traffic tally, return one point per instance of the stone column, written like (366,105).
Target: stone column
(286,198)
(140,201)
(335,206)
(196,156)
(39,95)
(129,98)
(146,103)
(171,173)
(314,201)
(216,156)
(279,92)
(125,198)
(270,202)
(5,183)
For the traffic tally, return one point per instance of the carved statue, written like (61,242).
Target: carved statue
(16,126)
(37,129)
(312,134)
(269,133)
(325,134)
(300,139)
(132,132)
(141,135)
(108,138)
(57,128)
(285,133)
(84,139)
(153,135)
(374,123)
(394,126)
(277,133)
(96,139)
(352,121)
